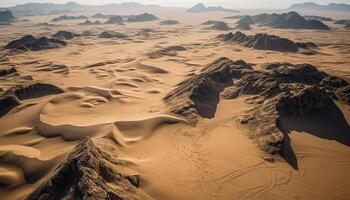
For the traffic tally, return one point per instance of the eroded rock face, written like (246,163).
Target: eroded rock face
(278,89)
(29,42)
(265,42)
(198,95)
(12,97)
(89,173)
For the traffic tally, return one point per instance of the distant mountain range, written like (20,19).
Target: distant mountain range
(200,7)
(53,8)
(311,6)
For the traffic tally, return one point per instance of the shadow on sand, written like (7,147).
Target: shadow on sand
(328,123)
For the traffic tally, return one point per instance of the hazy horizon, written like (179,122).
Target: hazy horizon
(264,4)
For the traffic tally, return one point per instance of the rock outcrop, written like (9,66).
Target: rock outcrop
(65,17)
(220,26)
(243,26)
(198,95)
(319,18)
(343,22)
(169,22)
(63,35)
(12,97)
(7,71)
(29,42)
(277,90)
(200,7)
(167,51)
(90,173)
(246,20)
(115,20)
(290,20)
(265,42)
(6,16)
(112,34)
(142,18)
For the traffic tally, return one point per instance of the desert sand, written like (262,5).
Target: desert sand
(113,92)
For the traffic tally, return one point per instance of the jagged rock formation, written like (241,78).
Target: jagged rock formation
(90,173)
(112,34)
(142,18)
(347,26)
(220,26)
(277,90)
(198,95)
(6,16)
(65,17)
(12,97)
(115,20)
(200,7)
(169,22)
(63,35)
(290,20)
(265,42)
(7,71)
(29,42)
(343,22)
(319,18)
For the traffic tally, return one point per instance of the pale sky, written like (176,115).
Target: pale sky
(187,3)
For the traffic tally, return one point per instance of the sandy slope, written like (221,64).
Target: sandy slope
(114,91)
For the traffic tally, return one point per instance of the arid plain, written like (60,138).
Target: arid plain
(116,92)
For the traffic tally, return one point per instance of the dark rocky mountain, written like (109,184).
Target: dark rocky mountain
(265,42)
(280,89)
(311,6)
(6,16)
(243,26)
(200,7)
(290,20)
(90,173)
(115,20)
(65,17)
(220,26)
(142,18)
(245,20)
(319,18)
(53,8)
(63,35)
(29,42)
(112,34)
